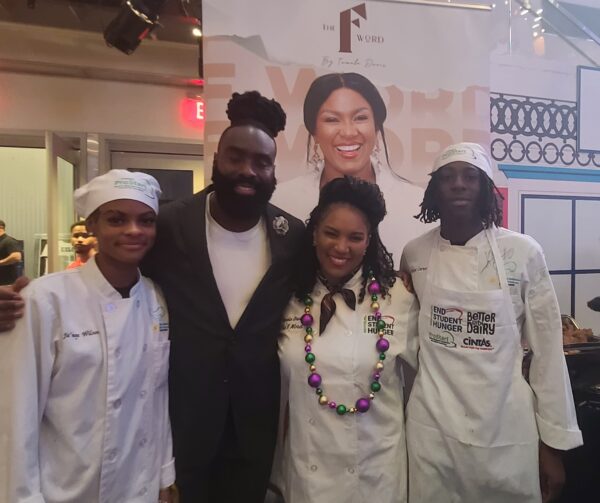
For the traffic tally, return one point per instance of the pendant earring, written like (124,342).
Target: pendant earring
(376,157)
(316,159)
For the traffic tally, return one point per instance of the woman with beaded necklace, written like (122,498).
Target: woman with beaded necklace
(342,434)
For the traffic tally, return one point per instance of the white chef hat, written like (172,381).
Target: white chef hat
(117,184)
(473,153)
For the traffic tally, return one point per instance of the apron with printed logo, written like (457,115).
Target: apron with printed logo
(471,430)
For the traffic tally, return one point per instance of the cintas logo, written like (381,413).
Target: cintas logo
(346,23)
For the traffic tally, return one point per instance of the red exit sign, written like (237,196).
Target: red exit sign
(193,112)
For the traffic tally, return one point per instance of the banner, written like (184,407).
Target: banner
(430,65)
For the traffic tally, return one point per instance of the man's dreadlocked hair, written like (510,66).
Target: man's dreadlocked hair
(489,204)
(251,108)
(366,198)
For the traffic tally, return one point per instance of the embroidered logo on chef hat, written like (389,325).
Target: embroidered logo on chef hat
(114,185)
(472,153)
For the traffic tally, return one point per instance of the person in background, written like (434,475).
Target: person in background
(342,435)
(345,115)
(84,244)
(10,256)
(84,373)
(477,431)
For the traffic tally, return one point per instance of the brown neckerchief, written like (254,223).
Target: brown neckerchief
(328,305)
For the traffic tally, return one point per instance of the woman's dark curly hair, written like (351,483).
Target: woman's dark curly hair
(366,198)
(252,108)
(489,204)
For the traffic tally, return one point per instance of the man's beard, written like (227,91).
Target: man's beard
(240,206)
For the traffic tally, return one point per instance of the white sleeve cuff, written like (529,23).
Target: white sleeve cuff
(167,474)
(35,498)
(558,437)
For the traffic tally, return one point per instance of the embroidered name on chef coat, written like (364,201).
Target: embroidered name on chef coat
(291,323)
(77,335)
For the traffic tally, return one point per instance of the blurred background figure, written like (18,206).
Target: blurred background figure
(10,257)
(84,244)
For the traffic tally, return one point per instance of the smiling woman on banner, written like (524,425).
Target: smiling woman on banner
(477,430)
(342,434)
(344,115)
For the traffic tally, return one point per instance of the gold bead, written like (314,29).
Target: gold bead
(352,410)
(312,368)
(381,333)
(375,306)
(323,400)
(308,338)
(379,366)
(307,309)
(372,396)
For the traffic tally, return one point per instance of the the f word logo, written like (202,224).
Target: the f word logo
(346,23)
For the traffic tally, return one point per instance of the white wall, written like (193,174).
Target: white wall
(41,86)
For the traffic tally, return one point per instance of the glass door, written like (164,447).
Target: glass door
(63,158)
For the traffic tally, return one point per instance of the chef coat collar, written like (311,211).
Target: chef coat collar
(91,271)
(354,284)
(477,240)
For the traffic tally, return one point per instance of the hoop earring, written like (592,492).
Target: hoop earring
(316,159)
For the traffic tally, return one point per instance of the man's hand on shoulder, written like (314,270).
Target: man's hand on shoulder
(12,305)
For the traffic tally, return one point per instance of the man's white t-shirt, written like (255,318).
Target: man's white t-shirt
(239,261)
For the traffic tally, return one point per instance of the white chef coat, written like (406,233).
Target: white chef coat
(473,422)
(325,458)
(402,199)
(87,393)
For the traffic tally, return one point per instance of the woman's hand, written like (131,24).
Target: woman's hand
(168,495)
(11,304)
(406,280)
(552,473)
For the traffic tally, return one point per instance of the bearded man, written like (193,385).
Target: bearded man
(223,260)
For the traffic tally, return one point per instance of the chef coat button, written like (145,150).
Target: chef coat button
(109,308)
(143,393)
(118,352)
(143,442)
(348,333)
(350,470)
(137,303)
(313,468)
(112,455)
(145,348)
(117,403)
(311,421)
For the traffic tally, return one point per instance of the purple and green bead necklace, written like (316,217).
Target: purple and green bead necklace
(382,345)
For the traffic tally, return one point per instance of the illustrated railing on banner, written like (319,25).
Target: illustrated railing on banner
(526,129)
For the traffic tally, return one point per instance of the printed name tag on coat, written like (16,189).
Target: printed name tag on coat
(458,327)
(370,324)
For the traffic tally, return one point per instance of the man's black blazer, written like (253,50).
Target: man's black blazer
(214,366)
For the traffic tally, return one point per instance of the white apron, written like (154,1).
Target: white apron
(471,429)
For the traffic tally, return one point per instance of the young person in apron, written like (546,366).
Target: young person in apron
(477,430)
